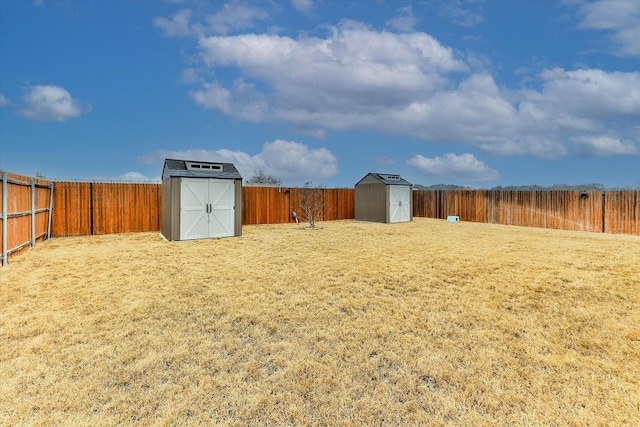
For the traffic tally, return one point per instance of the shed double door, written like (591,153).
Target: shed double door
(207,208)
(399,203)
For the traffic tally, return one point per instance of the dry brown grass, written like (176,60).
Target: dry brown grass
(426,322)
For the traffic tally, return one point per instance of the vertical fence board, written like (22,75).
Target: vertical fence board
(622,212)
(346,203)
(71,209)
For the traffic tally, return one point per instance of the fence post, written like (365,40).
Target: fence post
(604,211)
(4,218)
(91,208)
(50,210)
(33,213)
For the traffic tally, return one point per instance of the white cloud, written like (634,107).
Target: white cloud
(591,93)
(465,167)
(234,15)
(213,95)
(405,21)
(352,76)
(465,17)
(50,103)
(137,177)
(190,76)
(302,5)
(178,25)
(577,111)
(386,161)
(293,160)
(356,78)
(621,18)
(4,101)
(605,146)
(287,160)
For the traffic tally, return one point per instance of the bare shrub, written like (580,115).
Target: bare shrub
(312,205)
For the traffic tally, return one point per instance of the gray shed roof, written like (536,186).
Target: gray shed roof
(198,169)
(387,178)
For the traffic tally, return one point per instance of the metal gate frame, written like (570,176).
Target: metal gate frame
(6,215)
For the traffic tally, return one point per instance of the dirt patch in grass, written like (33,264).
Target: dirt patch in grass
(426,322)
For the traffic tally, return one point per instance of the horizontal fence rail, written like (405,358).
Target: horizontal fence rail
(35,209)
(26,213)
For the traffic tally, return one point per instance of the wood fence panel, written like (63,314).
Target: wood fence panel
(346,203)
(330,204)
(71,209)
(295,202)
(1,228)
(82,208)
(24,196)
(116,208)
(613,212)
(101,200)
(154,199)
(425,203)
(622,212)
(265,205)
(280,202)
(18,201)
(258,197)
(126,208)
(43,200)
(249,198)
(278,205)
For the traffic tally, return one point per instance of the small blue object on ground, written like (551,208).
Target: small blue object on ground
(453,218)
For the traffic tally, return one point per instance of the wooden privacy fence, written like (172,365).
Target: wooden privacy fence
(90,208)
(84,208)
(34,209)
(274,205)
(597,211)
(26,213)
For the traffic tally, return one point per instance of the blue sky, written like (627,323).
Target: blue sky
(479,93)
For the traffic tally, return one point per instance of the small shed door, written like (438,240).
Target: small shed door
(194,197)
(399,203)
(207,208)
(222,207)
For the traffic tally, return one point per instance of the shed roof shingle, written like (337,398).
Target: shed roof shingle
(174,167)
(382,177)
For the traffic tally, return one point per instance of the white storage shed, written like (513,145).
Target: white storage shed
(200,200)
(384,198)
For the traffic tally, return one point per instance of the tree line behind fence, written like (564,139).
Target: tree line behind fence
(90,208)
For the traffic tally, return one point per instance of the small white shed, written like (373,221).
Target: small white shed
(384,198)
(200,200)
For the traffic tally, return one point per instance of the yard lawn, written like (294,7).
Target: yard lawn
(427,322)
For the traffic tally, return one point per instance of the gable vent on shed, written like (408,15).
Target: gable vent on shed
(203,166)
